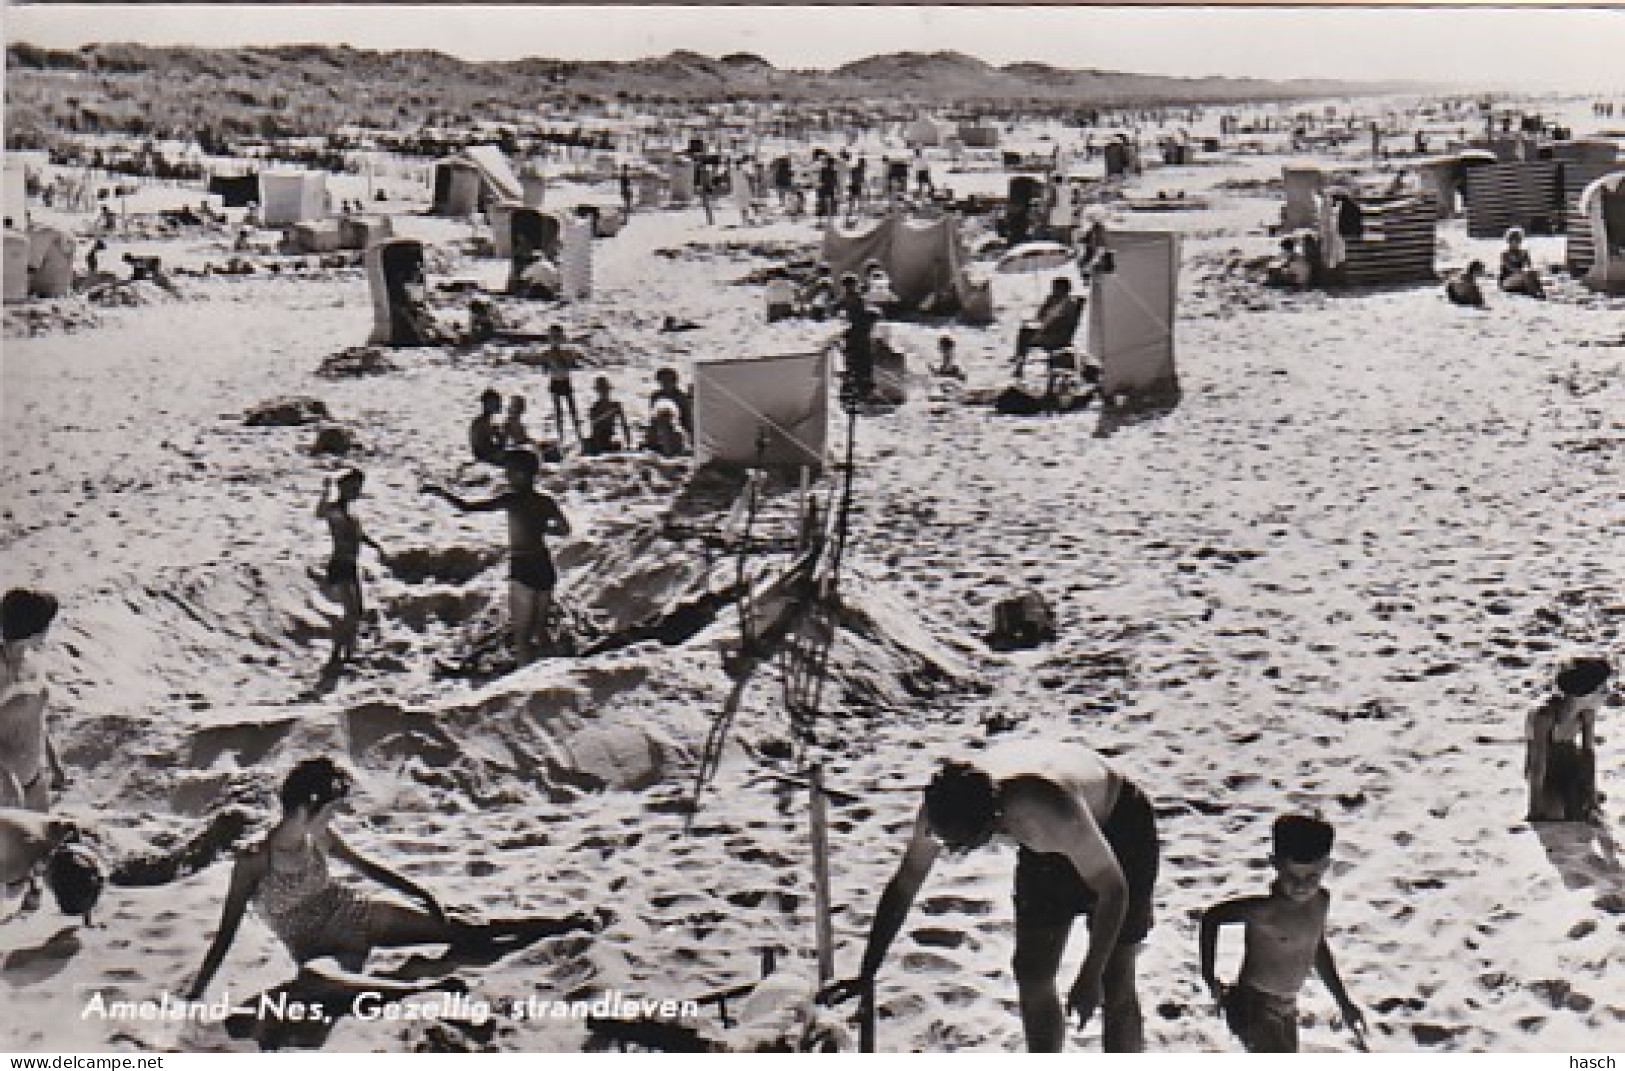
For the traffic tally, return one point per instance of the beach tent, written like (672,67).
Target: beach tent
(321,236)
(358,232)
(533,181)
(925,259)
(50,262)
(1522,193)
(235,191)
(292,197)
(681,173)
(392,265)
(1130,330)
(978,135)
(1120,158)
(473,178)
(564,238)
(1302,186)
(16,266)
(1396,245)
(1439,176)
(1602,212)
(922,132)
(771,411)
(539,230)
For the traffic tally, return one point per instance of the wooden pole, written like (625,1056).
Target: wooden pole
(820,846)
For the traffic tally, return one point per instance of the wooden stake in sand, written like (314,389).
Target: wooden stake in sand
(820,845)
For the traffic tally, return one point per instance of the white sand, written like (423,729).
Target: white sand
(1336,576)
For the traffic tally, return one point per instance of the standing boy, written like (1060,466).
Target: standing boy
(1285,934)
(532,517)
(343,578)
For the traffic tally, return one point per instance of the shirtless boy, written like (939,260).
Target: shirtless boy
(1088,846)
(532,517)
(343,569)
(1285,935)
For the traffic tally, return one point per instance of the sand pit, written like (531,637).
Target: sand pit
(1335,577)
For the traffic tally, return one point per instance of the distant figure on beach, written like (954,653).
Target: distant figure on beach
(1285,935)
(1561,746)
(1052,326)
(32,846)
(627,199)
(858,339)
(559,362)
(607,429)
(532,517)
(485,439)
(343,579)
(946,364)
(1518,273)
(482,321)
(1087,845)
(1463,289)
(286,878)
(30,769)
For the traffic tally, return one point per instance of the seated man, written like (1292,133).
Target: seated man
(1463,289)
(1053,325)
(820,296)
(1518,272)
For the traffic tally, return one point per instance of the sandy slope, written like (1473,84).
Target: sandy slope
(1336,576)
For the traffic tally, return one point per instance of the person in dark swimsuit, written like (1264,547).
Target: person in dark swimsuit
(1088,846)
(485,440)
(607,429)
(1560,762)
(532,517)
(343,579)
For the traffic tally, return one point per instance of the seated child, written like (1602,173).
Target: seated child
(1285,935)
(607,428)
(669,387)
(1518,272)
(877,287)
(1462,288)
(666,435)
(1561,756)
(1291,268)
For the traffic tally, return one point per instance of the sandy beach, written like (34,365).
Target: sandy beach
(1335,577)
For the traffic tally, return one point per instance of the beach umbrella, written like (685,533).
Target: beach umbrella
(1034,257)
(1030,258)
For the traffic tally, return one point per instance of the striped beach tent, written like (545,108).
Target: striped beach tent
(1577,177)
(1521,193)
(1602,207)
(1396,244)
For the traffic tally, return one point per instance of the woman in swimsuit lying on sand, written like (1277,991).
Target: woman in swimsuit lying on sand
(287,880)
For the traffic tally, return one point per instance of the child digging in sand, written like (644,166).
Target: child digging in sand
(343,579)
(532,517)
(1285,935)
(1561,762)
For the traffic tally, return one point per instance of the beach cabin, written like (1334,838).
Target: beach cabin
(1520,193)
(50,262)
(1303,187)
(922,133)
(763,411)
(680,173)
(1396,245)
(288,197)
(978,136)
(1440,177)
(394,269)
(1596,243)
(1130,321)
(473,179)
(16,266)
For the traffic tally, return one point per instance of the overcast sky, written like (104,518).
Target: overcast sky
(1537,47)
